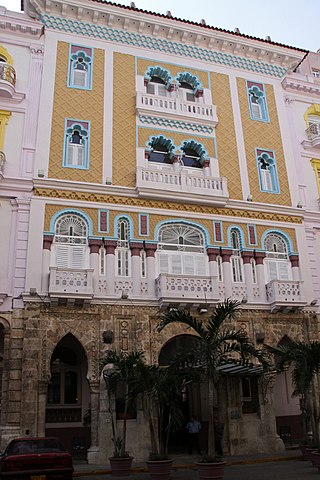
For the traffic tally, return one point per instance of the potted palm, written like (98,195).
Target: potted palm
(122,370)
(216,342)
(163,401)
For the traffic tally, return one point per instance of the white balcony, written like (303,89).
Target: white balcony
(313,135)
(181,184)
(70,285)
(180,290)
(8,83)
(176,107)
(285,295)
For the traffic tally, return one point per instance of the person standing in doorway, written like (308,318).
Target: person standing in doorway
(193,428)
(218,434)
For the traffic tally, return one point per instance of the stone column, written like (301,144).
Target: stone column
(226,268)
(136,248)
(294,259)
(212,258)
(259,257)
(95,245)
(246,258)
(150,249)
(95,406)
(46,254)
(111,246)
(42,405)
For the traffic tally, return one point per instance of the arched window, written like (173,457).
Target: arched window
(76,144)
(190,87)
(123,250)
(157,79)
(253,270)
(70,241)
(236,260)
(161,150)
(257,101)
(181,250)
(80,69)
(277,259)
(186,92)
(193,154)
(268,176)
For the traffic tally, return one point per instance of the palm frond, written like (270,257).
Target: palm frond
(182,316)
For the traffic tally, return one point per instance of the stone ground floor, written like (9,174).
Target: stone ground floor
(52,383)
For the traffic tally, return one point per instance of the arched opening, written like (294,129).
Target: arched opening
(68,397)
(194,398)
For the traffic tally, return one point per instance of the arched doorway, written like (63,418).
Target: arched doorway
(194,399)
(68,397)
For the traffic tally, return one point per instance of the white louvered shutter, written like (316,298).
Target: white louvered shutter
(201,262)
(150,88)
(256,110)
(283,271)
(62,256)
(188,261)
(76,257)
(164,263)
(266,178)
(162,91)
(176,264)
(272,271)
(80,78)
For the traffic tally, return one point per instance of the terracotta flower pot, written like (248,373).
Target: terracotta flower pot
(121,467)
(159,469)
(211,471)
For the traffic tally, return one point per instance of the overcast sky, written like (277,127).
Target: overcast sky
(292,22)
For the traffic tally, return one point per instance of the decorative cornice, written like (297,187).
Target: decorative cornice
(295,84)
(19,24)
(164,205)
(175,124)
(171,47)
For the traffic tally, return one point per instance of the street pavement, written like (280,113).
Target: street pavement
(282,466)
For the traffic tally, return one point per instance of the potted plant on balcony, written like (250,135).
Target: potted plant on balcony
(216,343)
(163,386)
(122,369)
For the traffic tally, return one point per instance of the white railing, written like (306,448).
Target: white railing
(181,181)
(284,292)
(186,287)
(313,131)
(71,281)
(176,106)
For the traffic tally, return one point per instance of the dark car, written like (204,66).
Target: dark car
(36,459)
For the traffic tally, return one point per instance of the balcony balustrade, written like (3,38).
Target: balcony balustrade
(186,289)
(7,73)
(70,284)
(176,107)
(285,295)
(164,181)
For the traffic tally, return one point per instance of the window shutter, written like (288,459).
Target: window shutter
(176,264)
(272,270)
(80,78)
(190,97)
(188,261)
(62,256)
(256,110)
(162,91)
(236,269)
(150,88)
(80,155)
(266,179)
(283,270)
(201,265)
(76,257)
(164,263)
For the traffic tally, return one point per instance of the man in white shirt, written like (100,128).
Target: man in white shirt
(193,427)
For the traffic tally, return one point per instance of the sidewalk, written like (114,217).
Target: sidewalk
(185,462)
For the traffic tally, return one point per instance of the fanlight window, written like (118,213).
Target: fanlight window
(181,250)
(277,259)
(71,235)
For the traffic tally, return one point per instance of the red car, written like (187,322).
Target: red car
(36,459)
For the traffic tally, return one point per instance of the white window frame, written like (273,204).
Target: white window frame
(159,89)
(123,254)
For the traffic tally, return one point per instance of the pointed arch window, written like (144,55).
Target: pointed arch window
(123,250)
(76,144)
(236,260)
(181,250)
(70,241)
(277,261)
(257,101)
(267,168)
(80,67)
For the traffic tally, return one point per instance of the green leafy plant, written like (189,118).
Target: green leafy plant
(205,458)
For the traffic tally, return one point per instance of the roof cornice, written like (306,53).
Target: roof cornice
(162,27)
(19,25)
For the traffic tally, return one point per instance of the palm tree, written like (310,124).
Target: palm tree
(122,369)
(305,360)
(217,342)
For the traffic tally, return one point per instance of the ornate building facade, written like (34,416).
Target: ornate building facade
(164,176)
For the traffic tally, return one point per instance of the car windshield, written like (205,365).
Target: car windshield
(34,446)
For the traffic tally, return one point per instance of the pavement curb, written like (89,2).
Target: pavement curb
(191,466)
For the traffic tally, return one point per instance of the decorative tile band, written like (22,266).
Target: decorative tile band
(160,45)
(165,122)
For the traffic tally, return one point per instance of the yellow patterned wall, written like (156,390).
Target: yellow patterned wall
(263,135)
(144,135)
(80,105)
(226,135)
(154,220)
(124,121)
(143,64)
